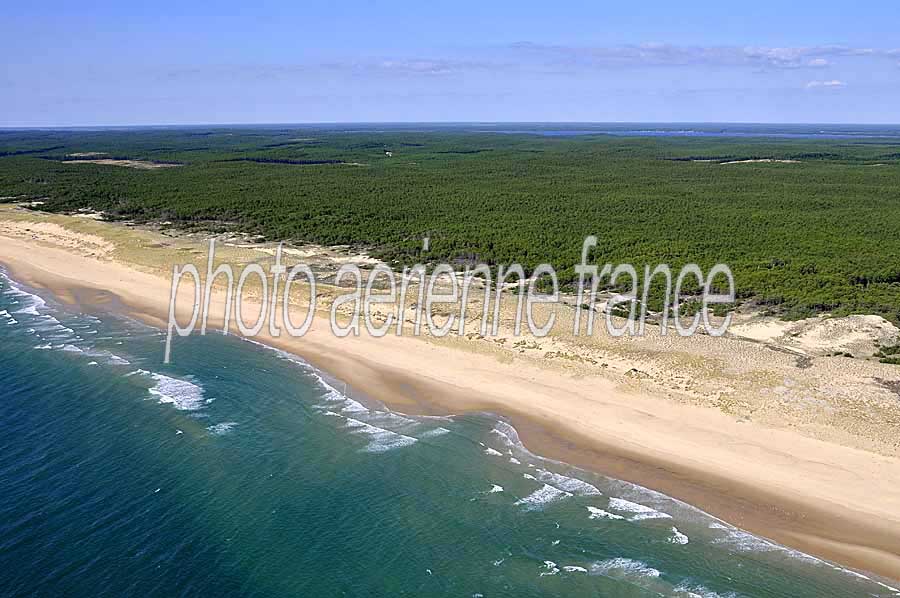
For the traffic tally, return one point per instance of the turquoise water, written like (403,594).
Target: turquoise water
(241,470)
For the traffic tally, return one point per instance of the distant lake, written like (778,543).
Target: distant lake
(785,132)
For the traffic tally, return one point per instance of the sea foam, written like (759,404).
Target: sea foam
(596,513)
(639,512)
(624,568)
(184,395)
(385,429)
(29,303)
(678,538)
(569,484)
(380,440)
(549,568)
(541,497)
(221,429)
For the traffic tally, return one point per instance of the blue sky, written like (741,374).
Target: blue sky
(108,63)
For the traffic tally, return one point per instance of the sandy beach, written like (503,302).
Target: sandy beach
(763,429)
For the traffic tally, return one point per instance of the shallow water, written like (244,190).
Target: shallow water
(240,469)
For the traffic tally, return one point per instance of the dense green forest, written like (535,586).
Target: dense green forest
(818,235)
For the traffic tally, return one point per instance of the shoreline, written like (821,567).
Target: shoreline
(739,472)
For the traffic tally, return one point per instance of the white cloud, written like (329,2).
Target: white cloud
(419,67)
(427,67)
(528,57)
(657,54)
(832,84)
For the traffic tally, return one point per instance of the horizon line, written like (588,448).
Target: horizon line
(52,127)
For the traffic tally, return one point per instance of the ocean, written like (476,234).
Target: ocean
(241,470)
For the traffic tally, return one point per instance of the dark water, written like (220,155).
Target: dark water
(240,471)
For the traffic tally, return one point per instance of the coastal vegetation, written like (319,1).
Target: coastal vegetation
(807,225)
